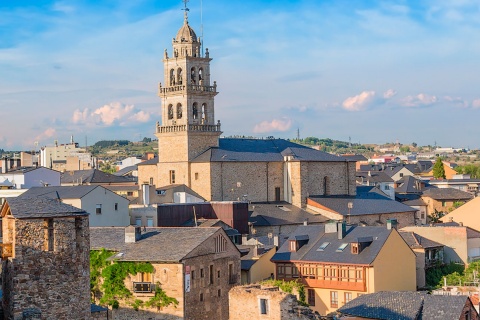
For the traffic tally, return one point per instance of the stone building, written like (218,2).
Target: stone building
(45,260)
(269,303)
(196,266)
(192,153)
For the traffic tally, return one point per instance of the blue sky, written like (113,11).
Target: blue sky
(375,71)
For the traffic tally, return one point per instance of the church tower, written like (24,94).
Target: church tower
(188,114)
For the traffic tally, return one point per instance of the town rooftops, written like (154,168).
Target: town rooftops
(446,194)
(409,184)
(249,256)
(417,241)
(283,213)
(63,192)
(325,247)
(152,161)
(406,305)
(263,150)
(94,176)
(39,208)
(155,244)
(373,176)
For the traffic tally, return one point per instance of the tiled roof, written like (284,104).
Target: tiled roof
(444,307)
(41,208)
(417,241)
(92,176)
(446,194)
(268,150)
(269,214)
(330,254)
(63,192)
(156,244)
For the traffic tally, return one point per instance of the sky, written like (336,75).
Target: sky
(369,71)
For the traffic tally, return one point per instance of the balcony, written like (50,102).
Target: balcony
(143,287)
(7,250)
(189,127)
(191,88)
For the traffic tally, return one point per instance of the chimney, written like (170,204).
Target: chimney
(146,194)
(276,241)
(392,224)
(244,239)
(341,229)
(331,226)
(255,251)
(132,234)
(4,165)
(305,222)
(450,219)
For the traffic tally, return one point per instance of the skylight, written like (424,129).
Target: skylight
(323,246)
(342,247)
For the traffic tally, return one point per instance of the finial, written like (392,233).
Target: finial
(186,10)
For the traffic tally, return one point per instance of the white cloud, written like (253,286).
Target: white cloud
(360,102)
(276,125)
(457,101)
(390,93)
(476,104)
(47,133)
(110,114)
(421,99)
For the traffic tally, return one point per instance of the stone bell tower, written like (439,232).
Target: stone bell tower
(188,113)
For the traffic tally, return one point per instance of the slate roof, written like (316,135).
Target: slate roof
(152,161)
(354,157)
(409,184)
(92,176)
(417,241)
(317,236)
(247,260)
(41,208)
(260,150)
(283,213)
(406,305)
(155,245)
(96,308)
(126,170)
(447,194)
(62,192)
(373,176)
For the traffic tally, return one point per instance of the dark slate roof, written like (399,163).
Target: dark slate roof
(354,157)
(283,213)
(409,184)
(373,176)
(466,181)
(269,150)
(96,308)
(92,176)
(436,307)
(395,305)
(416,202)
(126,170)
(317,236)
(148,162)
(156,244)
(22,170)
(64,192)
(417,241)
(447,194)
(363,204)
(41,208)
(167,196)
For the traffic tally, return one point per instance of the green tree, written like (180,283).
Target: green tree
(414,144)
(404,149)
(438,169)
(108,167)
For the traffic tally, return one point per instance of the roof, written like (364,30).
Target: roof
(417,241)
(152,161)
(248,260)
(406,305)
(22,170)
(283,213)
(262,150)
(175,243)
(330,254)
(92,176)
(373,176)
(96,308)
(126,170)
(59,192)
(186,33)
(165,194)
(446,194)
(36,208)
(354,157)
(409,184)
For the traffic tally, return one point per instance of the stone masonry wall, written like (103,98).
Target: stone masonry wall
(145,172)
(57,282)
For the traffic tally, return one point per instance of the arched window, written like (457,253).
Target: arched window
(326,186)
(193,75)
(200,76)
(179,76)
(195,111)
(170,112)
(172,77)
(179,111)
(204,112)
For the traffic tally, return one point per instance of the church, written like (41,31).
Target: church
(192,152)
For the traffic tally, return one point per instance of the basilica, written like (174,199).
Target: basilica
(192,152)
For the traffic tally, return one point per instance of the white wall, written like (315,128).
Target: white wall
(109,216)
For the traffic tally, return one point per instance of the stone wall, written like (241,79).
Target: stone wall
(56,282)
(145,172)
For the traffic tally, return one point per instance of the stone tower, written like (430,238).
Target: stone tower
(188,114)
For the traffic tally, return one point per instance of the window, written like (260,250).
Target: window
(326,186)
(323,246)
(98,209)
(348,297)
(170,112)
(444,203)
(220,244)
(334,299)
(196,175)
(149,221)
(179,76)
(263,306)
(145,277)
(192,75)
(172,77)
(204,112)
(387,187)
(311,297)
(151,180)
(401,174)
(138,221)
(129,193)
(201,296)
(294,272)
(49,235)
(172,176)
(354,247)
(195,111)
(116,206)
(218,273)
(219,292)
(202,274)
(293,245)
(211,274)
(179,111)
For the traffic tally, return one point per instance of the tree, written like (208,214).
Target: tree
(438,169)
(414,144)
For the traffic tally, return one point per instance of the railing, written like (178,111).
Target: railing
(232,279)
(189,127)
(7,250)
(143,287)
(190,87)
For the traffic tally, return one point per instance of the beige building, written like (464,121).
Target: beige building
(192,153)
(468,214)
(196,266)
(338,263)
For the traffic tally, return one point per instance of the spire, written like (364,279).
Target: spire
(186,11)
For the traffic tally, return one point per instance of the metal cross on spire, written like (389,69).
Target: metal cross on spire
(186,9)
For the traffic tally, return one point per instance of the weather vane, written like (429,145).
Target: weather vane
(185,9)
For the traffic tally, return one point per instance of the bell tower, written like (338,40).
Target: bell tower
(188,114)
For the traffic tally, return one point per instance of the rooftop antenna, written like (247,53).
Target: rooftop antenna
(298,134)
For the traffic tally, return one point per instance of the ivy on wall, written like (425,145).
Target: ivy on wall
(107,282)
(289,287)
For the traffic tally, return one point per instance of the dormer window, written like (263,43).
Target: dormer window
(293,246)
(323,246)
(354,247)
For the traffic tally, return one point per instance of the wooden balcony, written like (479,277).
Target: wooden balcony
(143,287)
(7,250)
